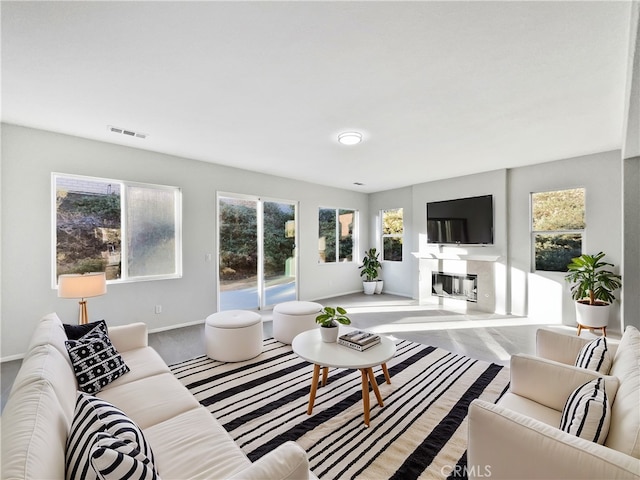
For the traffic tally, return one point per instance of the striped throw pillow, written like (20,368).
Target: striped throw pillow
(96,362)
(587,413)
(101,438)
(113,458)
(595,355)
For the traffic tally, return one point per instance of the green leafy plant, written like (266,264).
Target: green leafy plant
(330,317)
(370,265)
(591,280)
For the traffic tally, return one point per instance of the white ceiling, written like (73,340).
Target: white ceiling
(438,89)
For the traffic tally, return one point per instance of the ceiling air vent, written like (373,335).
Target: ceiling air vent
(129,133)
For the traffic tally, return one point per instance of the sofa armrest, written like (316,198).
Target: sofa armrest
(558,346)
(129,337)
(504,444)
(550,383)
(287,462)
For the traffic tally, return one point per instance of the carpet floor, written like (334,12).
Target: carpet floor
(421,432)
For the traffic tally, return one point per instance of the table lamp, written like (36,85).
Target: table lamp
(82,286)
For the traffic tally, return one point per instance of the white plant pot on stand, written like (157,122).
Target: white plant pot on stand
(592,316)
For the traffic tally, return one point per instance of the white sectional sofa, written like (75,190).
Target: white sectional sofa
(186,440)
(519,437)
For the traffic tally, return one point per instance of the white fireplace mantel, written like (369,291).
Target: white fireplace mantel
(456,256)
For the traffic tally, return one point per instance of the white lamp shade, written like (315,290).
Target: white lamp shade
(82,286)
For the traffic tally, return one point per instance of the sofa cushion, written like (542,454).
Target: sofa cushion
(34,432)
(624,433)
(46,363)
(194,445)
(96,424)
(142,362)
(595,355)
(151,400)
(587,412)
(49,332)
(95,361)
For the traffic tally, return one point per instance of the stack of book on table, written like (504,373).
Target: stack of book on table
(359,340)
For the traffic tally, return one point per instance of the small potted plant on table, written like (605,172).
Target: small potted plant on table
(329,319)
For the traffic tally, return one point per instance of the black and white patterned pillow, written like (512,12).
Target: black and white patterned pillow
(595,355)
(96,362)
(101,433)
(587,413)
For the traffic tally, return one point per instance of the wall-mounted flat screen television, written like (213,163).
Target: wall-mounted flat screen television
(461,221)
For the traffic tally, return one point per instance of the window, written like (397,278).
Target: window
(392,235)
(336,232)
(129,231)
(557,225)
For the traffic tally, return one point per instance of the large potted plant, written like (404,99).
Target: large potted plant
(369,270)
(592,289)
(329,319)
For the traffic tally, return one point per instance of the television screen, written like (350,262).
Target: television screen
(462,221)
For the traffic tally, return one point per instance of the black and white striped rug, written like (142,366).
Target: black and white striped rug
(421,432)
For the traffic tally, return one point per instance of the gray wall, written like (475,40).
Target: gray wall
(545,296)
(30,156)
(631,179)
(399,277)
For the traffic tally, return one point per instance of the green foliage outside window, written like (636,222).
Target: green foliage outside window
(392,234)
(558,222)
(335,235)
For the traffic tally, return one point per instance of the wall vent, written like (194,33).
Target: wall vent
(129,133)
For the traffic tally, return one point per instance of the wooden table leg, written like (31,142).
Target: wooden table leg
(325,373)
(365,395)
(374,385)
(386,373)
(314,387)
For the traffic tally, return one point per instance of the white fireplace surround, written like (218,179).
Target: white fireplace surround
(483,266)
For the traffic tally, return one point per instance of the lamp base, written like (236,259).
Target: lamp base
(83,317)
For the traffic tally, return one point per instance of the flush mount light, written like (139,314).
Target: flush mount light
(350,138)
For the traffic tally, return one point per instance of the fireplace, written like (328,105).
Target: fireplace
(458,286)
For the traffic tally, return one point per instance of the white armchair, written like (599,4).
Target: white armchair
(519,438)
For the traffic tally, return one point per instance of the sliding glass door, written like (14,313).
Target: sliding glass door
(256,252)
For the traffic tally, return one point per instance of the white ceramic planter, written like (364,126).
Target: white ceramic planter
(369,287)
(379,285)
(592,316)
(329,334)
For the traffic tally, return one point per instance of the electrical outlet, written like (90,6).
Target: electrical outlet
(158,308)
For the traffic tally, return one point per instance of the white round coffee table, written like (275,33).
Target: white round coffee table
(310,347)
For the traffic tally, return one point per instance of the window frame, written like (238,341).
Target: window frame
(533,233)
(124,184)
(354,234)
(391,235)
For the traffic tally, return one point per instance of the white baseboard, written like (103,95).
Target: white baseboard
(173,327)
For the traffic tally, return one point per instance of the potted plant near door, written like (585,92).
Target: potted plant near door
(329,319)
(369,270)
(593,287)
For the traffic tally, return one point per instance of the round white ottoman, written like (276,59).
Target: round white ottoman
(292,318)
(233,336)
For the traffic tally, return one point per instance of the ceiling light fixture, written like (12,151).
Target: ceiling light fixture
(350,138)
